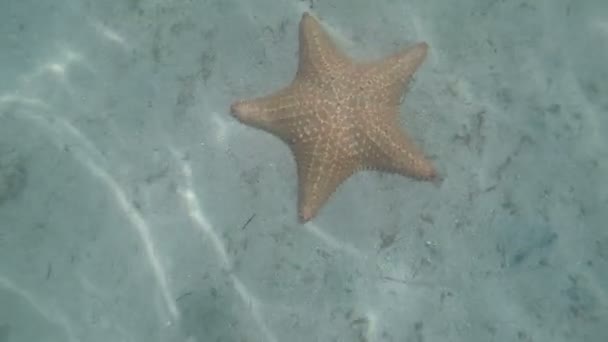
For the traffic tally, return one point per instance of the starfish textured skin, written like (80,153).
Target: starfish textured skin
(339,116)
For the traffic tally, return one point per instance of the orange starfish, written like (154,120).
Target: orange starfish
(339,116)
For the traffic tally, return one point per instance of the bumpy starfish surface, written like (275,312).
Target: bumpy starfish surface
(339,116)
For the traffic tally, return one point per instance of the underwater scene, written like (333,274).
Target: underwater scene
(303,170)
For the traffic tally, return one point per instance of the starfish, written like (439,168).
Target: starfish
(339,116)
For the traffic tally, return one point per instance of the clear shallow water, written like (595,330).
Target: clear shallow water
(125,184)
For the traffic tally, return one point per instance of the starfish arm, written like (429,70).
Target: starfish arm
(391,149)
(318,56)
(387,78)
(272,113)
(321,170)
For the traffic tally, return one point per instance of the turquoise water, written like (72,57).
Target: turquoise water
(133,207)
